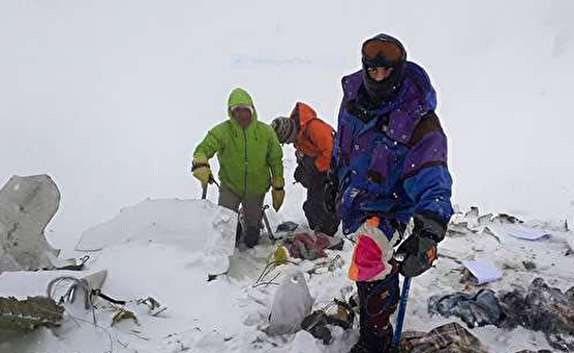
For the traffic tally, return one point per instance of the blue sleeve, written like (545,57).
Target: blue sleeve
(430,189)
(338,168)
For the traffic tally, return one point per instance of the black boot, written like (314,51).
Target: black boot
(373,343)
(360,347)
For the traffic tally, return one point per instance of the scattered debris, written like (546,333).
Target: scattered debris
(29,314)
(287,227)
(484,219)
(529,265)
(473,212)
(450,337)
(327,265)
(520,232)
(311,246)
(84,286)
(124,314)
(281,255)
(212,277)
(506,218)
(317,322)
(473,222)
(540,308)
(475,310)
(543,308)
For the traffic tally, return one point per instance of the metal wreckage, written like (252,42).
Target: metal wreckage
(27,204)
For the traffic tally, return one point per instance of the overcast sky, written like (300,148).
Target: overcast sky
(111,97)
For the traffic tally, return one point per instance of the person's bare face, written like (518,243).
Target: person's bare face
(242,115)
(379,73)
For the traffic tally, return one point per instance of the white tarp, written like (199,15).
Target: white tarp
(27,204)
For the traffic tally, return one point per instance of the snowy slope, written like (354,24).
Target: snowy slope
(111,97)
(229,313)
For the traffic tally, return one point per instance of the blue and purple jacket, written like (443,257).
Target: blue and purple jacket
(391,161)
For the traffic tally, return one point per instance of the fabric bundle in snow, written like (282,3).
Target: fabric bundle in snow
(311,246)
(448,338)
(292,302)
(540,308)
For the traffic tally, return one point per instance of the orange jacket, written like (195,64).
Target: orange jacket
(315,138)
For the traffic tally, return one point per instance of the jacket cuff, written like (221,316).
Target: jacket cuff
(430,226)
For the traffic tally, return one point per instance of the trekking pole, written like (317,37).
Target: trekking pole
(402,312)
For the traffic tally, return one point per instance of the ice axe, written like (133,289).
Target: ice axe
(268,225)
(204,187)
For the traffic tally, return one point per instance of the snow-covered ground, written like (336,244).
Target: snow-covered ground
(148,258)
(111,97)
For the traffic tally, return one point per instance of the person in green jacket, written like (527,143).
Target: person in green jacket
(250,161)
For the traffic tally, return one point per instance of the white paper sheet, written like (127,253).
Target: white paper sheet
(520,231)
(484,272)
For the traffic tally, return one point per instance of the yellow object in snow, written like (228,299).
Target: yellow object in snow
(281,255)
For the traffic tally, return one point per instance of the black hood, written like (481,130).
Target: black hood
(380,91)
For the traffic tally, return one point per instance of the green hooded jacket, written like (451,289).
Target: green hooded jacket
(247,157)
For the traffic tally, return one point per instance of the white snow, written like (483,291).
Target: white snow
(229,314)
(197,226)
(111,97)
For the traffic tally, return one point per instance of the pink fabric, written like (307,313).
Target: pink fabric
(367,259)
(309,246)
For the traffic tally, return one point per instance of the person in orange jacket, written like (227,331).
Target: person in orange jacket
(313,141)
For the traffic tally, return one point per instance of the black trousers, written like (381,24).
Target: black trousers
(378,300)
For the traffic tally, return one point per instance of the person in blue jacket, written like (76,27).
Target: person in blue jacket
(390,166)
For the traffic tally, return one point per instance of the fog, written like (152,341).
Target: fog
(111,97)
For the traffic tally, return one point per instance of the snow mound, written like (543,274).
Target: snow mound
(195,226)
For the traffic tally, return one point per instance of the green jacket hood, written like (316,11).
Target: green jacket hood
(237,97)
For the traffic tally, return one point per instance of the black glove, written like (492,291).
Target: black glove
(300,176)
(419,251)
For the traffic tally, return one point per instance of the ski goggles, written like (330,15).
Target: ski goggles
(382,53)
